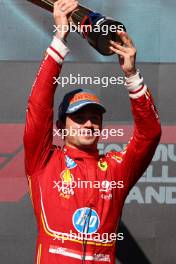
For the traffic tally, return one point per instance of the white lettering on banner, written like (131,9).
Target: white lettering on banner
(165,195)
(161,173)
(165,153)
(149,175)
(110,147)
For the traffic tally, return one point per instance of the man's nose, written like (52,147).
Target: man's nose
(88,123)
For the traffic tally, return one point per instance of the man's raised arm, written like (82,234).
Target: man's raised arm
(38,134)
(135,158)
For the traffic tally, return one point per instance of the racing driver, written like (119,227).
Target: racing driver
(61,207)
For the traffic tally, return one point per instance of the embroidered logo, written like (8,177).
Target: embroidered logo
(64,186)
(86,220)
(70,163)
(106,186)
(102,165)
(106,190)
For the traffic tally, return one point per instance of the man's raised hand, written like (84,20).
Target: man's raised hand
(126,53)
(62,8)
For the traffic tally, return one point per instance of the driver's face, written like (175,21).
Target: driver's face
(87,120)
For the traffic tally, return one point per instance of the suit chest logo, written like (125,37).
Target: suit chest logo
(70,163)
(65,184)
(86,220)
(102,165)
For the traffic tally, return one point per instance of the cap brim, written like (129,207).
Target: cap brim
(75,108)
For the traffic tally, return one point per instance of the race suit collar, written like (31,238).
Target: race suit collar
(80,154)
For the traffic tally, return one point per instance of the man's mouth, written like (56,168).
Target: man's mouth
(87,132)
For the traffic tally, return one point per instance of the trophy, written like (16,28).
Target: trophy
(97,29)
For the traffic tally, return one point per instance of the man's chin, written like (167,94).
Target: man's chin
(88,142)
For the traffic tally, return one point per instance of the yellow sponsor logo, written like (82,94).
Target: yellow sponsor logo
(103,165)
(66,190)
(66,177)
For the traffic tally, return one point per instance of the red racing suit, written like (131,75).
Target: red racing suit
(72,221)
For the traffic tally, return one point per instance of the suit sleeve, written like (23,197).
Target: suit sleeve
(138,153)
(38,133)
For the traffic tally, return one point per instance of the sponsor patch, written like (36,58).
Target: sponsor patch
(102,165)
(70,163)
(86,220)
(106,190)
(64,186)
